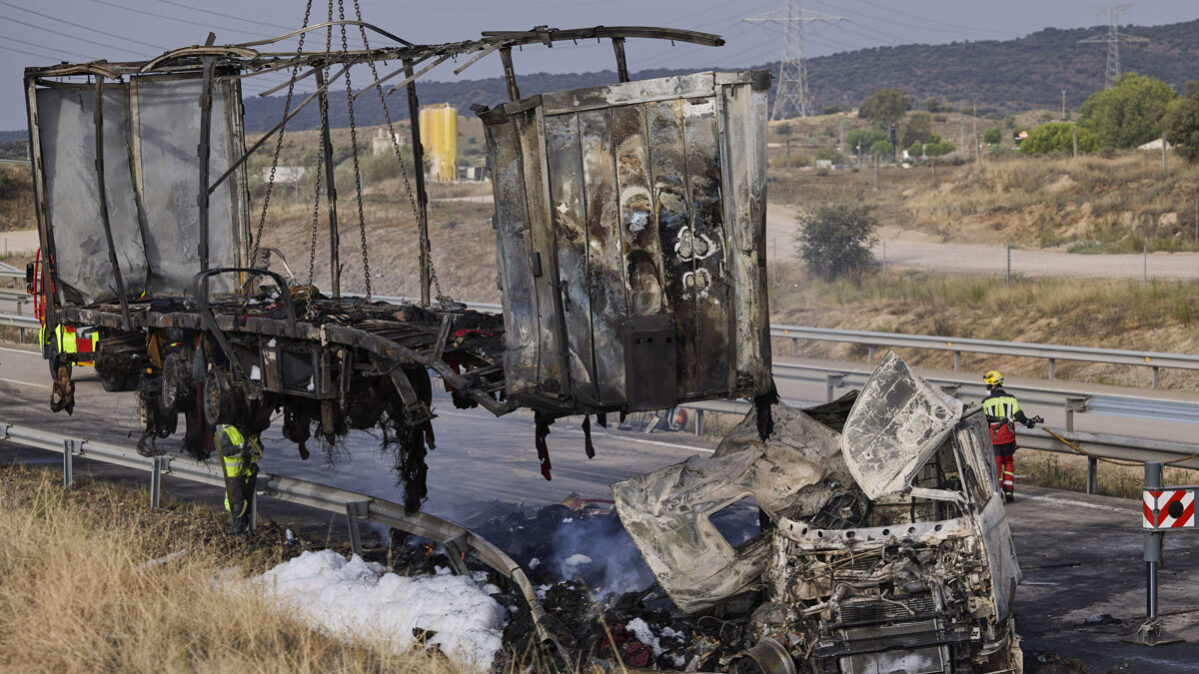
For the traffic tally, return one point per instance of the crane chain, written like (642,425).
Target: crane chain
(270,183)
(316,213)
(345,49)
(442,297)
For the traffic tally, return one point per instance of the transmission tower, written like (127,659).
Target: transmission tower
(791,96)
(1112,39)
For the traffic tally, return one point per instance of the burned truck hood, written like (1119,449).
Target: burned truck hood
(896,424)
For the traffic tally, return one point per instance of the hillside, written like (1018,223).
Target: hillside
(1001,76)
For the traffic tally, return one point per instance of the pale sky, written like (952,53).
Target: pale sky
(44,32)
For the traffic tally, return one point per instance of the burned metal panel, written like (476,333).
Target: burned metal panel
(168,129)
(641,214)
(706,284)
(565,169)
(745,213)
(896,424)
(605,256)
(639,227)
(672,209)
(551,363)
(521,348)
(667,511)
(66,120)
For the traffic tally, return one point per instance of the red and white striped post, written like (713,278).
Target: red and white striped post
(1162,509)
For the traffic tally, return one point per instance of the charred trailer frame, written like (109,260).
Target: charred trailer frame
(630,222)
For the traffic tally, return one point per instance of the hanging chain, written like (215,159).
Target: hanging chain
(320,162)
(345,49)
(316,213)
(395,145)
(270,183)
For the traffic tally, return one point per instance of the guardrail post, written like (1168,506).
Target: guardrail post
(355,509)
(699,422)
(957,361)
(160,464)
(1156,379)
(831,382)
(260,485)
(69,447)
(794,347)
(870,355)
(1052,368)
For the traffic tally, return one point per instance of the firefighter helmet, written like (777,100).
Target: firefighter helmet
(993,378)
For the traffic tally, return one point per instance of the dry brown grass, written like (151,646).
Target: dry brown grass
(1069,471)
(1109,314)
(77,593)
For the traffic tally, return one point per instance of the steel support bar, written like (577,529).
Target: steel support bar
(156,480)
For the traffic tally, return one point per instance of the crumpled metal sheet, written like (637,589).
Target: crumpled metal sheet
(667,511)
(896,424)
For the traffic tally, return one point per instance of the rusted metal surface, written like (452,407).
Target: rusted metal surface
(642,211)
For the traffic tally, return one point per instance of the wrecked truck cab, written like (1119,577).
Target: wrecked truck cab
(893,554)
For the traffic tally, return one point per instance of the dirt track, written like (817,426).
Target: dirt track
(916,250)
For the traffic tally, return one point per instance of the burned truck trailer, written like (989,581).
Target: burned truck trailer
(629,219)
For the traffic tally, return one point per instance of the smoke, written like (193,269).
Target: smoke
(612,562)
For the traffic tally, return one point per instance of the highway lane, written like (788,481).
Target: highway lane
(478,458)
(1080,553)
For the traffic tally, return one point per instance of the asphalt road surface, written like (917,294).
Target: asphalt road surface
(1083,589)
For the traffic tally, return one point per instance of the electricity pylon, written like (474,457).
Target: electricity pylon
(792,97)
(1112,39)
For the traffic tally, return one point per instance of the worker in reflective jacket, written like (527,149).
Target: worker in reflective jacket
(1003,411)
(239,459)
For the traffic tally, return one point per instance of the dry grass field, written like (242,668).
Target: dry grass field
(80,592)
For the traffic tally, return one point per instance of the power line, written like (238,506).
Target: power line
(68,35)
(228,16)
(79,25)
(1113,39)
(36,44)
(29,53)
(792,95)
(143,12)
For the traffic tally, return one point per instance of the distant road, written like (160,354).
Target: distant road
(914,250)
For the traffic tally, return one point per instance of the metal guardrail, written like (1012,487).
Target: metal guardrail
(357,507)
(1095,445)
(1051,352)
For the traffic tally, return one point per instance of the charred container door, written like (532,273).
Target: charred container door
(631,223)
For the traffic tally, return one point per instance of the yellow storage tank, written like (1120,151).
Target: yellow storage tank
(439,137)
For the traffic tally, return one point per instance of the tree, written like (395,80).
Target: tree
(885,106)
(1182,123)
(783,129)
(992,136)
(864,138)
(1128,114)
(1058,137)
(919,129)
(916,149)
(938,148)
(934,105)
(882,148)
(835,238)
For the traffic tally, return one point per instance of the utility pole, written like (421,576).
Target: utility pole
(792,97)
(978,155)
(1112,39)
(1063,104)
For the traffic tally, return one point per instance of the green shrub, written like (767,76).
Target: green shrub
(835,239)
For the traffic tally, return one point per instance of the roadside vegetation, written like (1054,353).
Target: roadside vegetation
(81,592)
(1069,472)
(1160,316)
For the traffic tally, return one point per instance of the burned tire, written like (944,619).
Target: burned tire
(221,402)
(114,382)
(178,387)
